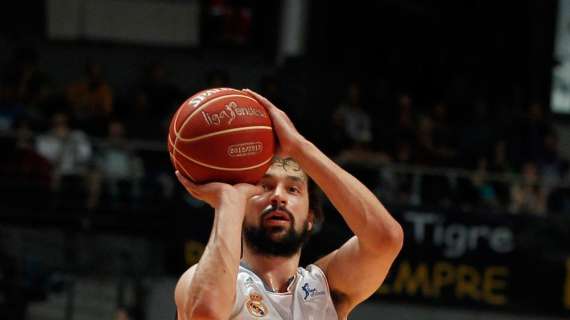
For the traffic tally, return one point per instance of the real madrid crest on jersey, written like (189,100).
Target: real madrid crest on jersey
(255,305)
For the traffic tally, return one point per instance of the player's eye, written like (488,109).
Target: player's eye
(294,190)
(266,187)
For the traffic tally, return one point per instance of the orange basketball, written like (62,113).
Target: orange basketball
(221,134)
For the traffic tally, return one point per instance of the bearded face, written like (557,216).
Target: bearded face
(274,239)
(278,222)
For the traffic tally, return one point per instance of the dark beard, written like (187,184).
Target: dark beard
(259,240)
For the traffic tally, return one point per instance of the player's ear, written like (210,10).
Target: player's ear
(310,220)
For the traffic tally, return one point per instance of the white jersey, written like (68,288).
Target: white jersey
(308,297)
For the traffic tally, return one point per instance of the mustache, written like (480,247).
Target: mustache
(274,207)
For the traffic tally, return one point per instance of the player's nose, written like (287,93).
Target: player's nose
(278,197)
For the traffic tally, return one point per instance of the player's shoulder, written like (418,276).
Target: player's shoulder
(323,262)
(313,272)
(312,269)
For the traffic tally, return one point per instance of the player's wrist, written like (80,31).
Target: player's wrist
(232,198)
(299,147)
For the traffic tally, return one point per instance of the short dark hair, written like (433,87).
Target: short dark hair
(315,203)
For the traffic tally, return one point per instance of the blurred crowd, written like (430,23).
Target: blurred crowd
(76,141)
(454,154)
(83,145)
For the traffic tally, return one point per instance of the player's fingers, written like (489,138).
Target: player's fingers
(277,115)
(266,103)
(287,119)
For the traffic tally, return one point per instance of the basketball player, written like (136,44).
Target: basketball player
(271,221)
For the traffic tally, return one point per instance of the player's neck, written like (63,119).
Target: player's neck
(276,272)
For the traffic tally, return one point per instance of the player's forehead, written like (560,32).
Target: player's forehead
(286,168)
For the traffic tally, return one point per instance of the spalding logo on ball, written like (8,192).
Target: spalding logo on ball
(223,135)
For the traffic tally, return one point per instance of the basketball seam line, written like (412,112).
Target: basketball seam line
(182,167)
(175,120)
(207,135)
(216,167)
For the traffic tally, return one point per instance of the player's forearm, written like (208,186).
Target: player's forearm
(214,281)
(360,208)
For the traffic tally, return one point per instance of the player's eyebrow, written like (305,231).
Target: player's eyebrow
(296,178)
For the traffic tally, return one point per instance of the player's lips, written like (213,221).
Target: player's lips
(277,215)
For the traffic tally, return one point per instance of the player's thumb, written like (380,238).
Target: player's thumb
(249,190)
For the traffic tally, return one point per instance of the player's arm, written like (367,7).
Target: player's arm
(358,267)
(207,290)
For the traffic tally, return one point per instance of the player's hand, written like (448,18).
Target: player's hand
(288,137)
(217,193)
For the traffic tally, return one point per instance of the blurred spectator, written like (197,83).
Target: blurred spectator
(559,198)
(352,121)
(405,119)
(435,188)
(91,98)
(151,104)
(431,152)
(528,195)
(442,128)
(161,94)
(269,88)
(476,134)
(532,132)
(485,194)
(397,187)
(33,85)
(139,122)
(500,164)
(553,169)
(27,173)
(23,89)
(11,108)
(550,163)
(123,313)
(69,152)
(118,167)
(217,78)
(500,161)
(228,23)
